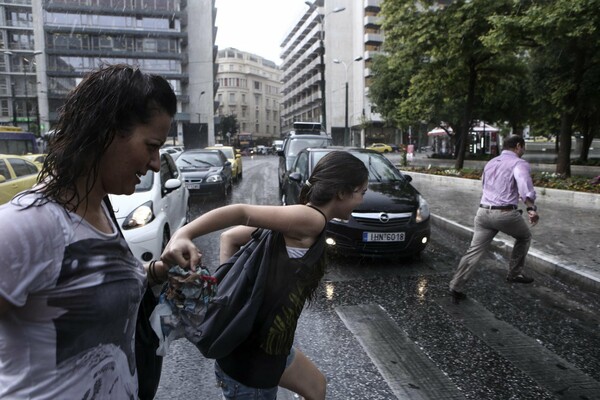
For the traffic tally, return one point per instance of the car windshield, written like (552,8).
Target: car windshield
(145,182)
(296,145)
(228,152)
(199,160)
(380,168)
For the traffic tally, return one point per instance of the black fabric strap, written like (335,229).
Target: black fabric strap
(315,208)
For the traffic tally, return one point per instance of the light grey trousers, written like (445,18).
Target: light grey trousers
(487,225)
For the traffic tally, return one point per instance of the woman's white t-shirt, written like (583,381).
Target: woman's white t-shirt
(76,292)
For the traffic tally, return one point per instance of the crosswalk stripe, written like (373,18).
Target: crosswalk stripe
(546,368)
(405,367)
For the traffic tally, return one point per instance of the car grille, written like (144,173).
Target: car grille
(198,180)
(382,218)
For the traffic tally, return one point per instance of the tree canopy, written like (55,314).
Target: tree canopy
(511,62)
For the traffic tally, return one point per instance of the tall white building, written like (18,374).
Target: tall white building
(350,33)
(249,89)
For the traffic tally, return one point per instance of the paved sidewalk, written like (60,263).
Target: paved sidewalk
(566,241)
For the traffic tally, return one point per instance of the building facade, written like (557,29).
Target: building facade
(48,46)
(250,90)
(339,38)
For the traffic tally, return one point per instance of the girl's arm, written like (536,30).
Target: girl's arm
(298,222)
(232,239)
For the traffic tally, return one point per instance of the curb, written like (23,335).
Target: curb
(539,261)
(578,199)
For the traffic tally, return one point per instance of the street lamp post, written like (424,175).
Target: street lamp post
(346,132)
(322,58)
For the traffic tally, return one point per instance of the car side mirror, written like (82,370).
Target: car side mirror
(408,178)
(227,164)
(296,177)
(2,178)
(280,153)
(170,185)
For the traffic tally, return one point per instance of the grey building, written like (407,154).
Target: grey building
(250,89)
(340,37)
(49,45)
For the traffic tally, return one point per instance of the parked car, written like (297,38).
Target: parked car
(292,145)
(262,150)
(393,219)
(206,172)
(37,159)
(16,174)
(380,147)
(234,157)
(174,151)
(157,208)
(277,146)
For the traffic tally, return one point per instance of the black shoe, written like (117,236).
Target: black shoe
(519,279)
(457,296)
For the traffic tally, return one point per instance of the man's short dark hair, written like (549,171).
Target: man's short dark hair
(512,141)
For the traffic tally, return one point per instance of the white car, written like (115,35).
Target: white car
(158,207)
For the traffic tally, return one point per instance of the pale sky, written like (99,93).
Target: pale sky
(256,26)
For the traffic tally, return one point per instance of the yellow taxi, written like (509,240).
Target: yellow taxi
(234,157)
(380,147)
(37,159)
(16,174)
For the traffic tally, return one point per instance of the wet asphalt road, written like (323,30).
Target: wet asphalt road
(387,329)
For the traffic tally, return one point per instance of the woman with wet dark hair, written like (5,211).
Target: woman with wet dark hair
(267,358)
(70,287)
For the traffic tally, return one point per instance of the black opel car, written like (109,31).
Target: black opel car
(393,219)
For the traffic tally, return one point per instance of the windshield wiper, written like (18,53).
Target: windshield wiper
(204,162)
(374,171)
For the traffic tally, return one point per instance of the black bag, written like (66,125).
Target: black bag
(148,364)
(231,313)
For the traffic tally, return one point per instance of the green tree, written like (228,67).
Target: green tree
(229,123)
(562,39)
(439,71)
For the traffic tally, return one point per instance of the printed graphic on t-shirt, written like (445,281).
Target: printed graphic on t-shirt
(98,294)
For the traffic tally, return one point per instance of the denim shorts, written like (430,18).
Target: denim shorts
(234,390)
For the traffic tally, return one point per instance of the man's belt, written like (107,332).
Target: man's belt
(487,207)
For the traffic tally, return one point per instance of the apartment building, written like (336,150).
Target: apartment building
(48,45)
(249,89)
(340,37)
(18,89)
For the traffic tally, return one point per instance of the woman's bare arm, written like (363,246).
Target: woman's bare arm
(232,239)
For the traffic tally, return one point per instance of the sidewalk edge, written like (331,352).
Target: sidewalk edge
(583,277)
(579,199)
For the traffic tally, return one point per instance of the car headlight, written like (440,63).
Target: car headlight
(339,220)
(141,216)
(423,210)
(214,178)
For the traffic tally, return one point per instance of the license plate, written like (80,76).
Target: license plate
(383,236)
(193,185)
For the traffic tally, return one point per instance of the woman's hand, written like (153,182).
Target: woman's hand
(181,251)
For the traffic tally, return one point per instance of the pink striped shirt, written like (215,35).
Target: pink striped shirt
(506,179)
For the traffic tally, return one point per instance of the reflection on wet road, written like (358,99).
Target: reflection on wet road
(386,329)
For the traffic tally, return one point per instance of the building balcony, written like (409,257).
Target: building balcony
(373,38)
(373,22)
(117,9)
(372,5)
